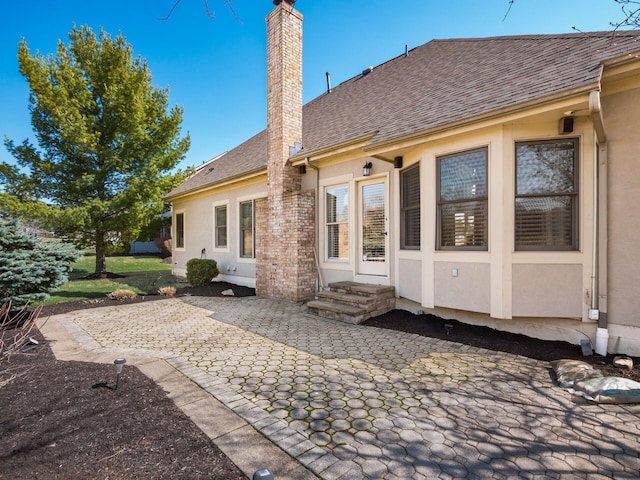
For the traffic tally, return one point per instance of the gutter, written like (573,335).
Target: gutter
(351,144)
(599,159)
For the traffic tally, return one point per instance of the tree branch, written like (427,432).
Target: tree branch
(208,11)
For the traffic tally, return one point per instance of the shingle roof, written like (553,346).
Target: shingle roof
(439,83)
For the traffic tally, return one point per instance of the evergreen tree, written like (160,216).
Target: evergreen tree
(29,267)
(108,142)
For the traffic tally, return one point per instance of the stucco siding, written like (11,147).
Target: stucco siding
(199,233)
(622,117)
(409,285)
(547,290)
(463,286)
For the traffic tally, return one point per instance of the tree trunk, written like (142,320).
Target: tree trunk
(101,260)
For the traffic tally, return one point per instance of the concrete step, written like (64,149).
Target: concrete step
(348,298)
(365,289)
(338,311)
(353,302)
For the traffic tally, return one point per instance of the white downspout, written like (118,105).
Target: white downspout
(316,248)
(600,151)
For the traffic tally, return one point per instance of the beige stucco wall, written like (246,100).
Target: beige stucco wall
(409,283)
(547,290)
(463,286)
(621,111)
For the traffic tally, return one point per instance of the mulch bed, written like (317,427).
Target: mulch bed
(65,420)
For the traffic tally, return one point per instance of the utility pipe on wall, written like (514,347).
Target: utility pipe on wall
(600,151)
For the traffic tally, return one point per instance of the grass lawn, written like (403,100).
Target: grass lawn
(142,274)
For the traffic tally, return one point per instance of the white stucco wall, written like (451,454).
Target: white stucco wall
(199,232)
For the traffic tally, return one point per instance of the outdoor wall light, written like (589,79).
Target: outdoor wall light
(119,363)
(366,169)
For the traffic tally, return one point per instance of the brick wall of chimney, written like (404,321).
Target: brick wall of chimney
(285,221)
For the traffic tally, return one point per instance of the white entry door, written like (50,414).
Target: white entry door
(373,234)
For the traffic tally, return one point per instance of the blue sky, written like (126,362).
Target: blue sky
(215,68)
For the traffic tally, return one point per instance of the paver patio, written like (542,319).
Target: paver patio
(352,402)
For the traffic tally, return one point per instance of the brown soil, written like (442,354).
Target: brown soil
(66,420)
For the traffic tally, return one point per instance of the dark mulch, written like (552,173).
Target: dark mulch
(65,419)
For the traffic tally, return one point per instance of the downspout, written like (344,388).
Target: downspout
(599,156)
(316,248)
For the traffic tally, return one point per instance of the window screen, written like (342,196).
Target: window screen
(337,222)
(462,205)
(546,195)
(410,208)
(179,230)
(246,229)
(221,226)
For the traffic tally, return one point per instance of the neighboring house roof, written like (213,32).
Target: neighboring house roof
(440,83)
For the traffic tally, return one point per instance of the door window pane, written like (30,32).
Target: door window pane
(373,223)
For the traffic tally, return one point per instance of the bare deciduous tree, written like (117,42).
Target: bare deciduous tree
(630,14)
(15,328)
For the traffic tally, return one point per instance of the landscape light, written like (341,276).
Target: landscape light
(119,363)
(263,474)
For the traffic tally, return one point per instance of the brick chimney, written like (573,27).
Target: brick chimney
(285,221)
(284,93)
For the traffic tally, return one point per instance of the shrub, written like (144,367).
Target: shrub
(122,295)
(167,291)
(30,267)
(201,271)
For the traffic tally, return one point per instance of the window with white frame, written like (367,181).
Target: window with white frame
(220,220)
(462,200)
(546,200)
(247,229)
(410,208)
(337,222)
(180,230)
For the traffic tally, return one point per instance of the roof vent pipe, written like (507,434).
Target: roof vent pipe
(367,71)
(406,50)
(328,82)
